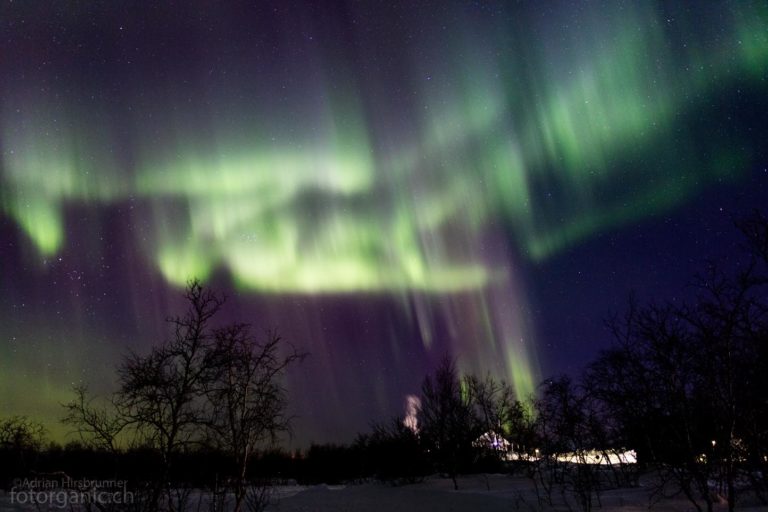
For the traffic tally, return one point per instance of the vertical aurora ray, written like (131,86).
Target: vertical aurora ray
(603,100)
(430,167)
(485,150)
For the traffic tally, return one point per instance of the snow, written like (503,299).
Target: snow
(488,493)
(476,493)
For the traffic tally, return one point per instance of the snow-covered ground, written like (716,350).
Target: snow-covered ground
(486,493)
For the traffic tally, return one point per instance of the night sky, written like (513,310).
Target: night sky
(382,182)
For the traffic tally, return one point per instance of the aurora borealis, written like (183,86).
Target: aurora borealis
(383,183)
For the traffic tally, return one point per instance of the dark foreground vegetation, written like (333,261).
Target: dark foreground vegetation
(685,386)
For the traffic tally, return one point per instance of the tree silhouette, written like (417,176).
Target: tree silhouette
(97,426)
(448,425)
(207,386)
(248,402)
(161,394)
(20,440)
(686,383)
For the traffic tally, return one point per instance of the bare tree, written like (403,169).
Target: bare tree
(448,423)
(98,426)
(248,400)
(501,412)
(21,433)
(754,227)
(208,385)
(649,383)
(20,441)
(161,393)
(494,402)
(687,382)
(569,434)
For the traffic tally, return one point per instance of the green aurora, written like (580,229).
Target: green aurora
(530,138)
